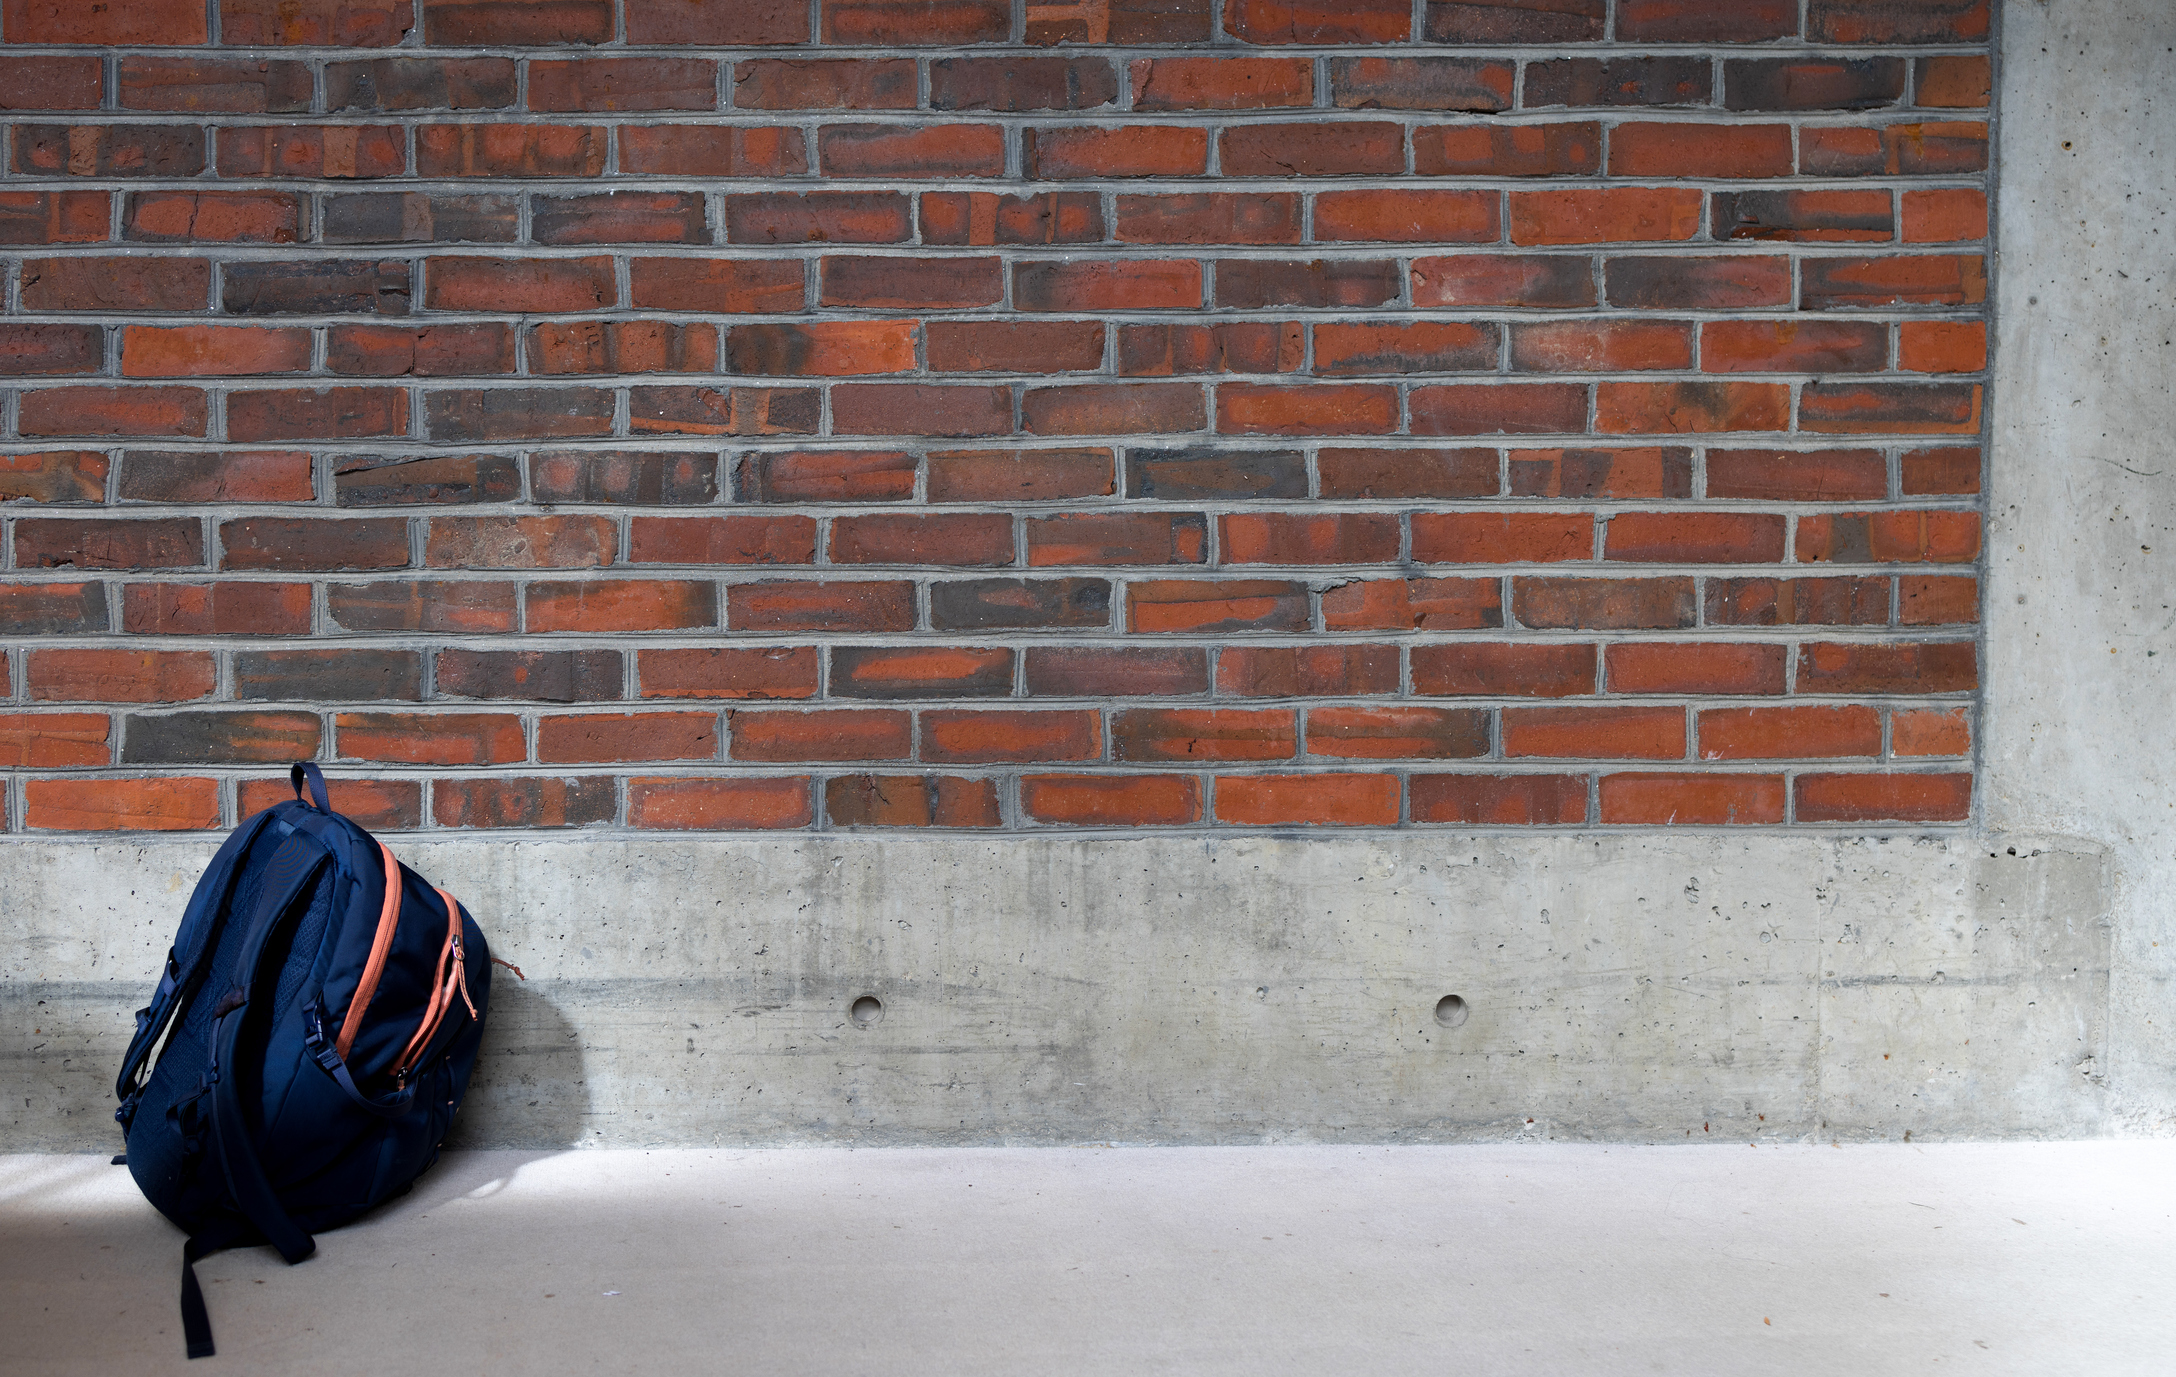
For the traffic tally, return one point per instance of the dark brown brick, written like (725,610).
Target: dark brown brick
(547,676)
(984,604)
(328,676)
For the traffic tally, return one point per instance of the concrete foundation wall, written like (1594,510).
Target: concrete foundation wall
(1630,986)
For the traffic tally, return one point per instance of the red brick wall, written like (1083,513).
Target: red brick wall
(960,413)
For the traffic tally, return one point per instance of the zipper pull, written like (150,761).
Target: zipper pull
(460,977)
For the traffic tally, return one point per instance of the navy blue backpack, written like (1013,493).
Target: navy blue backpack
(326,1003)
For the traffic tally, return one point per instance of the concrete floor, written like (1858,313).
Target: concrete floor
(1530,1258)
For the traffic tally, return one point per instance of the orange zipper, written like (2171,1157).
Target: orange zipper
(380,946)
(452,975)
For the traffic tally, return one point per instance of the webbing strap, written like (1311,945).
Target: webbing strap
(196,1325)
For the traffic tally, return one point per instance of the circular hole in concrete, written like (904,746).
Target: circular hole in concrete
(1451,1011)
(868,1011)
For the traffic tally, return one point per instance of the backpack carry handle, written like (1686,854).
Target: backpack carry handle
(304,769)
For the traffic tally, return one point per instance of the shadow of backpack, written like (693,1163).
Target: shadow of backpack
(326,1004)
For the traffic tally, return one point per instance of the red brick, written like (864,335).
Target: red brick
(190,351)
(1253,283)
(1907,667)
(834,348)
(112,22)
(1959,83)
(1695,150)
(876,605)
(120,805)
(316,413)
(1793,346)
(509,150)
(1498,800)
(1278,538)
(1937,601)
(914,283)
(28,350)
(644,477)
(729,672)
(1600,733)
(1021,83)
(1012,346)
(436,605)
(233,476)
(70,81)
(1009,603)
(520,284)
(1889,538)
(718,410)
(516,22)
(55,740)
(1566,149)
(836,734)
(1940,471)
(1112,800)
(215,609)
(109,150)
(55,477)
(951,539)
(619,217)
(1210,218)
(382,805)
(1222,83)
(1346,148)
(623,346)
(1604,215)
(1405,347)
(1695,538)
(1809,217)
(1807,733)
(722,540)
(551,676)
(730,23)
(1513,21)
(1634,81)
(1502,538)
(1690,408)
(533,801)
(1692,800)
(1466,669)
(1398,733)
(987,736)
(436,738)
(1199,473)
(1204,734)
(920,671)
(1928,733)
(911,801)
(1120,150)
(1695,667)
(1603,604)
(1156,605)
(1701,21)
(1944,149)
(916,23)
(1414,605)
(342,23)
(115,411)
(328,151)
(921,409)
(628,83)
(1798,602)
(262,542)
(1782,475)
(608,738)
(1421,83)
(1116,671)
(75,217)
(1890,408)
(392,351)
(102,543)
(1613,474)
(1905,280)
(620,605)
(1942,346)
(1111,409)
(884,83)
(1318,409)
(724,805)
(731,285)
(1897,21)
(1342,800)
(1390,474)
(1715,283)
(1318,21)
(1884,798)
(1117,538)
(1499,408)
(987,218)
(807,217)
(1600,346)
(237,87)
(1311,671)
(827,476)
(1394,216)
(911,150)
